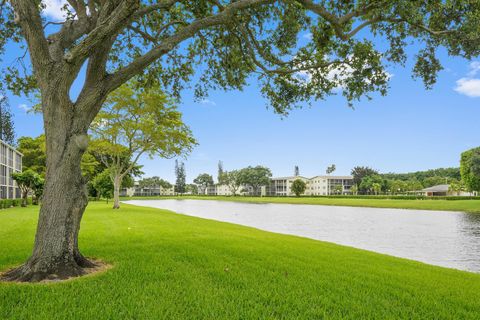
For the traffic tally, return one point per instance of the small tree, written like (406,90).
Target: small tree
(331,169)
(376,187)
(103,185)
(220,171)
(354,189)
(337,189)
(154,182)
(255,177)
(7,128)
(359,173)
(456,187)
(296,171)
(137,122)
(192,189)
(203,181)
(37,189)
(298,187)
(26,181)
(233,180)
(181,177)
(368,182)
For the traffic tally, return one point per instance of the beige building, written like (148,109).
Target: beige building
(316,186)
(137,191)
(10,162)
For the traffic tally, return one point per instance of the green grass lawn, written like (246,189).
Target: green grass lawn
(169,266)
(472,206)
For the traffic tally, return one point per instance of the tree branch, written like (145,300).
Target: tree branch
(110,23)
(169,43)
(27,15)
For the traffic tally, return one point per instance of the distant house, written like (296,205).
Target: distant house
(443,190)
(439,190)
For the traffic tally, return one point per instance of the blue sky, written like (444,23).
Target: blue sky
(408,130)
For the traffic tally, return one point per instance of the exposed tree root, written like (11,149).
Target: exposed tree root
(35,272)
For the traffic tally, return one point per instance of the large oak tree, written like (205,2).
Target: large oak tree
(108,42)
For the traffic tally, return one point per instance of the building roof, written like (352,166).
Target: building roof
(305,178)
(333,177)
(289,178)
(438,188)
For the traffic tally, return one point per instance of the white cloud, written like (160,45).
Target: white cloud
(474,68)
(469,85)
(53,9)
(208,102)
(24,107)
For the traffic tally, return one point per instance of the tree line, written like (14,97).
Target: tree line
(465,178)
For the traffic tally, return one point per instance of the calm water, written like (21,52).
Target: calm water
(449,239)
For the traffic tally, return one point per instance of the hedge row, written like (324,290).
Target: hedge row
(397,197)
(9,203)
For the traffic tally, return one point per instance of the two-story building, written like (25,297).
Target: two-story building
(10,162)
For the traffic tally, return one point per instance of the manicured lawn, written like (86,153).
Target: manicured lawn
(169,266)
(472,206)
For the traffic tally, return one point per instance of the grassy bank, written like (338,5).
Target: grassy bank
(472,206)
(169,266)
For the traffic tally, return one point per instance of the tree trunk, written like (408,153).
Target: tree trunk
(24,198)
(56,254)
(117,182)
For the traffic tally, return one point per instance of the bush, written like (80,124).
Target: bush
(8,203)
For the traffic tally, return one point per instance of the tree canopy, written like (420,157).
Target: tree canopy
(331,169)
(165,41)
(203,181)
(232,179)
(470,169)
(255,177)
(359,173)
(34,154)
(154,182)
(180,177)
(27,181)
(7,127)
(135,122)
(298,187)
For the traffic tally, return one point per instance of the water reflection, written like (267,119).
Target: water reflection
(449,239)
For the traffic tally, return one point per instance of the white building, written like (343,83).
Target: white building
(224,190)
(137,191)
(316,186)
(443,190)
(10,162)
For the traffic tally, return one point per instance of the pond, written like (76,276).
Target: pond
(449,239)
